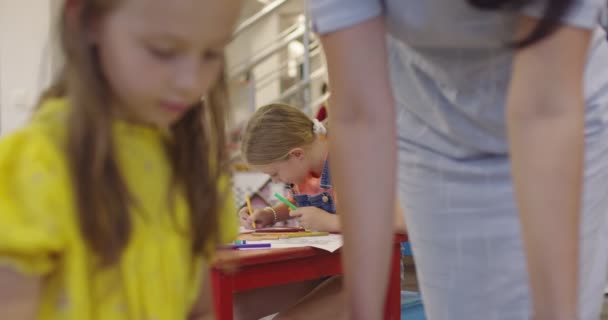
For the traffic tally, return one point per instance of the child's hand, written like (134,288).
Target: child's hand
(316,219)
(245,219)
(262,217)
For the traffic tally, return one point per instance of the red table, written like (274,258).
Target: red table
(269,267)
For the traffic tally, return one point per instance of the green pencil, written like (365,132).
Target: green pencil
(285,201)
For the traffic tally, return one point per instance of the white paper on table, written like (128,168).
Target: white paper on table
(329,243)
(245,230)
(247,183)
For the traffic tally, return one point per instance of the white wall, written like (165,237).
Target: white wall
(26,27)
(267,32)
(242,49)
(25,62)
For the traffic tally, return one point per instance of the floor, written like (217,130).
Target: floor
(604,312)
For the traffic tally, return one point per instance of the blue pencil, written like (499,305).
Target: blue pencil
(250,246)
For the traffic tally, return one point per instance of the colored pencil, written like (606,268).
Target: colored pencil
(285,201)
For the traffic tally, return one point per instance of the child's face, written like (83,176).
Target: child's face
(160,57)
(294,170)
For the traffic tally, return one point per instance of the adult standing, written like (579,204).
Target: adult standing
(502,151)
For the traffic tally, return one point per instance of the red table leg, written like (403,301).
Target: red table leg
(309,259)
(393,298)
(222,297)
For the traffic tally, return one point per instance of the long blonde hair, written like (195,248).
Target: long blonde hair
(273,131)
(196,153)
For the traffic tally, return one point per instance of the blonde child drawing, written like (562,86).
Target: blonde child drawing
(281,141)
(284,143)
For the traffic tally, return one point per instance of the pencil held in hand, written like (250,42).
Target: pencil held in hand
(250,210)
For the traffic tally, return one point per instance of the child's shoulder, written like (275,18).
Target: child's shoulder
(35,196)
(51,118)
(39,142)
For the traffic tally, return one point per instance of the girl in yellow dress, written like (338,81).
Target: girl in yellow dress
(112,198)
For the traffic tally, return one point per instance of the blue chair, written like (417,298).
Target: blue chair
(411,302)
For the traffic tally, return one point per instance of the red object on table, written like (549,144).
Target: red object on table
(269,267)
(279,230)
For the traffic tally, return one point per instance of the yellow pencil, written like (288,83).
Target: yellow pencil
(306,234)
(250,211)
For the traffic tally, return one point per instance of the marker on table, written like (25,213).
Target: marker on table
(287,235)
(304,234)
(250,246)
(285,201)
(250,211)
(279,229)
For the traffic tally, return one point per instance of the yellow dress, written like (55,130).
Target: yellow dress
(40,236)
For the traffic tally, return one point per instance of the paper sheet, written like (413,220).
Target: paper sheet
(244,230)
(246,183)
(329,243)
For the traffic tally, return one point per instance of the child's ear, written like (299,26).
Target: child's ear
(93,30)
(297,153)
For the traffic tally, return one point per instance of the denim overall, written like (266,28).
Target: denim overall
(323,200)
